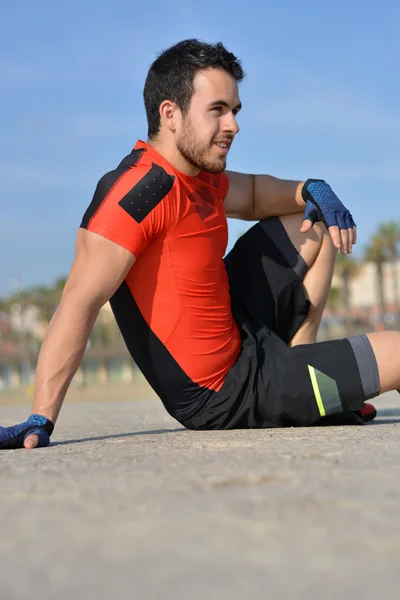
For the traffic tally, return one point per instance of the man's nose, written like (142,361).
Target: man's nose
(230,124)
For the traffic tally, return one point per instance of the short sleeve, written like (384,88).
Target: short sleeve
(131,207)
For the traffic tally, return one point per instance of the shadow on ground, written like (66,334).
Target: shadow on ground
(118,435)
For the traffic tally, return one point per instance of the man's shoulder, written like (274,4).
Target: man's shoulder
(140,173)
(136,185)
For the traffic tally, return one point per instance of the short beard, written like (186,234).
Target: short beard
(189,148)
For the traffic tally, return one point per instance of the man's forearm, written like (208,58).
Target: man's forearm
(274,197)
(60,356)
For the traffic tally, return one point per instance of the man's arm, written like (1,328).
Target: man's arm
(98,270)
(257,197)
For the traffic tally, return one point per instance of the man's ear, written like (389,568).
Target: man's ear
(170,115)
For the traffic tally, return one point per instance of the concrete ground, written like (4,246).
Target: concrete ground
(128,504)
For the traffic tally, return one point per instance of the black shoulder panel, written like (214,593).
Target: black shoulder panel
(147,193)
(107,182)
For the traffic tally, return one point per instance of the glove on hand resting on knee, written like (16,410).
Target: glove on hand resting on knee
(322,204)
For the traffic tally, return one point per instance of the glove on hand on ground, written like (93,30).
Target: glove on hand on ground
(13,437)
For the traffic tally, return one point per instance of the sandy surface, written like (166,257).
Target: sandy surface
(128,504)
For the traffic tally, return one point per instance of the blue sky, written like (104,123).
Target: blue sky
(321,99)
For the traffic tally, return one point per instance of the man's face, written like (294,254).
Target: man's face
(207,130)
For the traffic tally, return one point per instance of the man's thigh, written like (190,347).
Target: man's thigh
(265,272)
(272,385)
(307,244)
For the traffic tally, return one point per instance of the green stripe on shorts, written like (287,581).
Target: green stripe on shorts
(325,392)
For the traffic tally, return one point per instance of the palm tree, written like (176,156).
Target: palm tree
(347,269)
(390,232)
(376,253)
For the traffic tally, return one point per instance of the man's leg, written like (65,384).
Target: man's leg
(386,347)
(318,251)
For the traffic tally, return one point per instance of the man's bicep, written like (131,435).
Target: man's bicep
(99,268)
(239,202)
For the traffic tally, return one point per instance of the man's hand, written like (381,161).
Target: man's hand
(15,436)
(322,204)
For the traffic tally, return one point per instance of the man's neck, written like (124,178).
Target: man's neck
(174,157)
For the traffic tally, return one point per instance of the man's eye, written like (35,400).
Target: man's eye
(218,108)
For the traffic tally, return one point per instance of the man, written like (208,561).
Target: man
(224,343)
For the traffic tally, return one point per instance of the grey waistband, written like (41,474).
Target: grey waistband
(277,233)
(367,365)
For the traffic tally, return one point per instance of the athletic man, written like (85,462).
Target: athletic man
(224,343)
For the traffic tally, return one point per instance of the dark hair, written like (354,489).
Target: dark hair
(171,75)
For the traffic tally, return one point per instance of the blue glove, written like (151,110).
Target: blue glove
(14,436)
(322,204)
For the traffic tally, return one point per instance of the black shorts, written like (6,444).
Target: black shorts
(271,384)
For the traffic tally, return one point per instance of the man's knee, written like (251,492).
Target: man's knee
(308,244)
(293,222)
